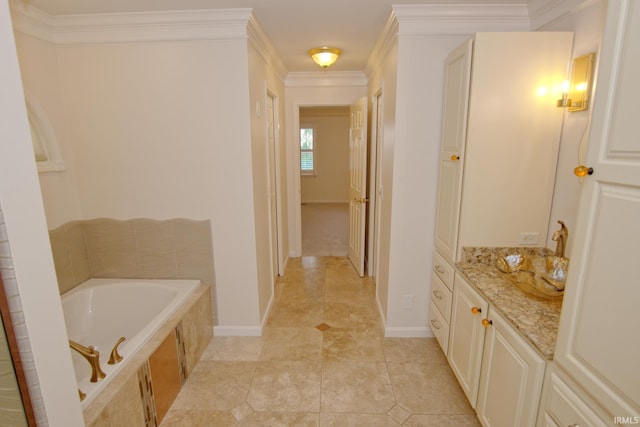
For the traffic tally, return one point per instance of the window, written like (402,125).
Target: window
(307,145)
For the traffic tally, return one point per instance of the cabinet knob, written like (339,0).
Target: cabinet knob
(437,294)
(582,170)
(440,269)
(455,158)
(487,322)
(436,324)
(476,310)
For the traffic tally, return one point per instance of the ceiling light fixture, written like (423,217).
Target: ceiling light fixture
(325,56)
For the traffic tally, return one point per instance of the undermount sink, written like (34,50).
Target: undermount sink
(539,276)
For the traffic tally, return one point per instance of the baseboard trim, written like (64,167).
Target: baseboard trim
(407,332)
(237,331)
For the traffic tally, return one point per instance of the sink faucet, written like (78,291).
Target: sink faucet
(560,237)
(93,357)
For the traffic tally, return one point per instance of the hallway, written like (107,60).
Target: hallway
(323,361)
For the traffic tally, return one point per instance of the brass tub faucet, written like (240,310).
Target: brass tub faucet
(93,357)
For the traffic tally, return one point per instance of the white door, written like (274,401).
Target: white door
(599,333)
(272,185)
(454,126)
(358,183)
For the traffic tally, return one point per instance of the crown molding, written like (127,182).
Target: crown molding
(384,43)
(438,20)
(131,27)
(543,13)
(258,39)
(325,79)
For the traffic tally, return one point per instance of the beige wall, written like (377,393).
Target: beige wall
(330,182)
(39,70)
(159,130)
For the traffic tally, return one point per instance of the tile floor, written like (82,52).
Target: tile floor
(323,361)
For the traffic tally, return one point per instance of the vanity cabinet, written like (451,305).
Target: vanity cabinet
(498,370)
(499,143)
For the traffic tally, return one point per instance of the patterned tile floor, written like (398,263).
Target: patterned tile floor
(323,361)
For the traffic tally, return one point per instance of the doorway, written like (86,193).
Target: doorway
(324,180)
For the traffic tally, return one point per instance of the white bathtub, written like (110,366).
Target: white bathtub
(100,311)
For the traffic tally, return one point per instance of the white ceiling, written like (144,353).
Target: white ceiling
(293,26)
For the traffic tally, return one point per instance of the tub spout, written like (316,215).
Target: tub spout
(93,357)
(115,357)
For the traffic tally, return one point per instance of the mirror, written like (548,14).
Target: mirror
(581,73)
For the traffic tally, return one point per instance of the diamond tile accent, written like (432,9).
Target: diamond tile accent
(323,327)
(399,414)
(242,411)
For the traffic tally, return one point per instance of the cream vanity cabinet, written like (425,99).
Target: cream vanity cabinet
(498,370)
(598,345)
(499,149)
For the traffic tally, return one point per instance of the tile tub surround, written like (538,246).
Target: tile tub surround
(536,319)
(323,360)
(136,248)
(193,315)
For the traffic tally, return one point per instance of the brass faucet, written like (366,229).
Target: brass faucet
(115,357)
(93,357)
(560,237)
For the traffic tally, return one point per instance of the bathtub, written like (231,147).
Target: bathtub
(100,311)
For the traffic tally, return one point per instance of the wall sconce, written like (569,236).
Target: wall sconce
(575,94)
(325,56)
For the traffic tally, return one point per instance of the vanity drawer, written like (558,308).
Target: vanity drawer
(441,297)
(566,407)
(443,269)
(439,327)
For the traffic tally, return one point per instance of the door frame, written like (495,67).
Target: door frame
(277,182)
(375,172)
(295,226)
(294,170)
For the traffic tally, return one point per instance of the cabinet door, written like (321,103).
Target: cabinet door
(598,337)
(454,127)
(511,377)
(467,337)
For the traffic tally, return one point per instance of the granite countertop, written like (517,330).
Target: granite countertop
(535,318)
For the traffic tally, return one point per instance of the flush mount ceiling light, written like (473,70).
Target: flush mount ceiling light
(325,56)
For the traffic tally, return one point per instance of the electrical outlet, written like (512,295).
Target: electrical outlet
(529,238)
(407,302)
